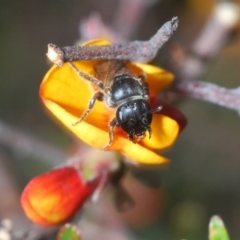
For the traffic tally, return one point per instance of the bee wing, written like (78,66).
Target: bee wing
(107,70)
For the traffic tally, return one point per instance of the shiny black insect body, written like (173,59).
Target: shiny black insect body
(119,88)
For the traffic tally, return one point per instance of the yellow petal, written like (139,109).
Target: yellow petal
(88,133)
(64,87)
(157,78)
(98,138)
(143,155)
(164,132)
(97,42)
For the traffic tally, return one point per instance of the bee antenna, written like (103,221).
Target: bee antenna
(154,110)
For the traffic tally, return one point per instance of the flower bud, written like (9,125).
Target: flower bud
(52,198)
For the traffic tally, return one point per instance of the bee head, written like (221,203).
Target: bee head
(135,118)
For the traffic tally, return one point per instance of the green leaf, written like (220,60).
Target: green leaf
(217,230)
(69,232)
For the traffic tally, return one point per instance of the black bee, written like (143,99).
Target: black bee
(117,86)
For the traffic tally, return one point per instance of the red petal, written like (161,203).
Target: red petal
(53,197)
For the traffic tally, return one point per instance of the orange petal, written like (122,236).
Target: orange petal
(97,42)
(142,155)
(88,133)
(64,87)
(157,78)
(31,213)
(53,197)
(172,112)
(164,132)
(98,138)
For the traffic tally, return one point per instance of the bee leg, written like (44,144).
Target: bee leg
(131,138)
(142,81)
(86,76)
(150,132)
(139,138)
(91,103)
(142,78)
(112,125)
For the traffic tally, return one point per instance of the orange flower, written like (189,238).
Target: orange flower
(66,95)
(52,198)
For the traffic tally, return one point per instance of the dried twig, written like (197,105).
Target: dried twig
(209,43)
(141,51)
(229,98)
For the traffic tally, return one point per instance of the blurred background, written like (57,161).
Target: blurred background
(204,176)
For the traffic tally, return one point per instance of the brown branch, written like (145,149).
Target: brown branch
(141,51)
(229,98)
